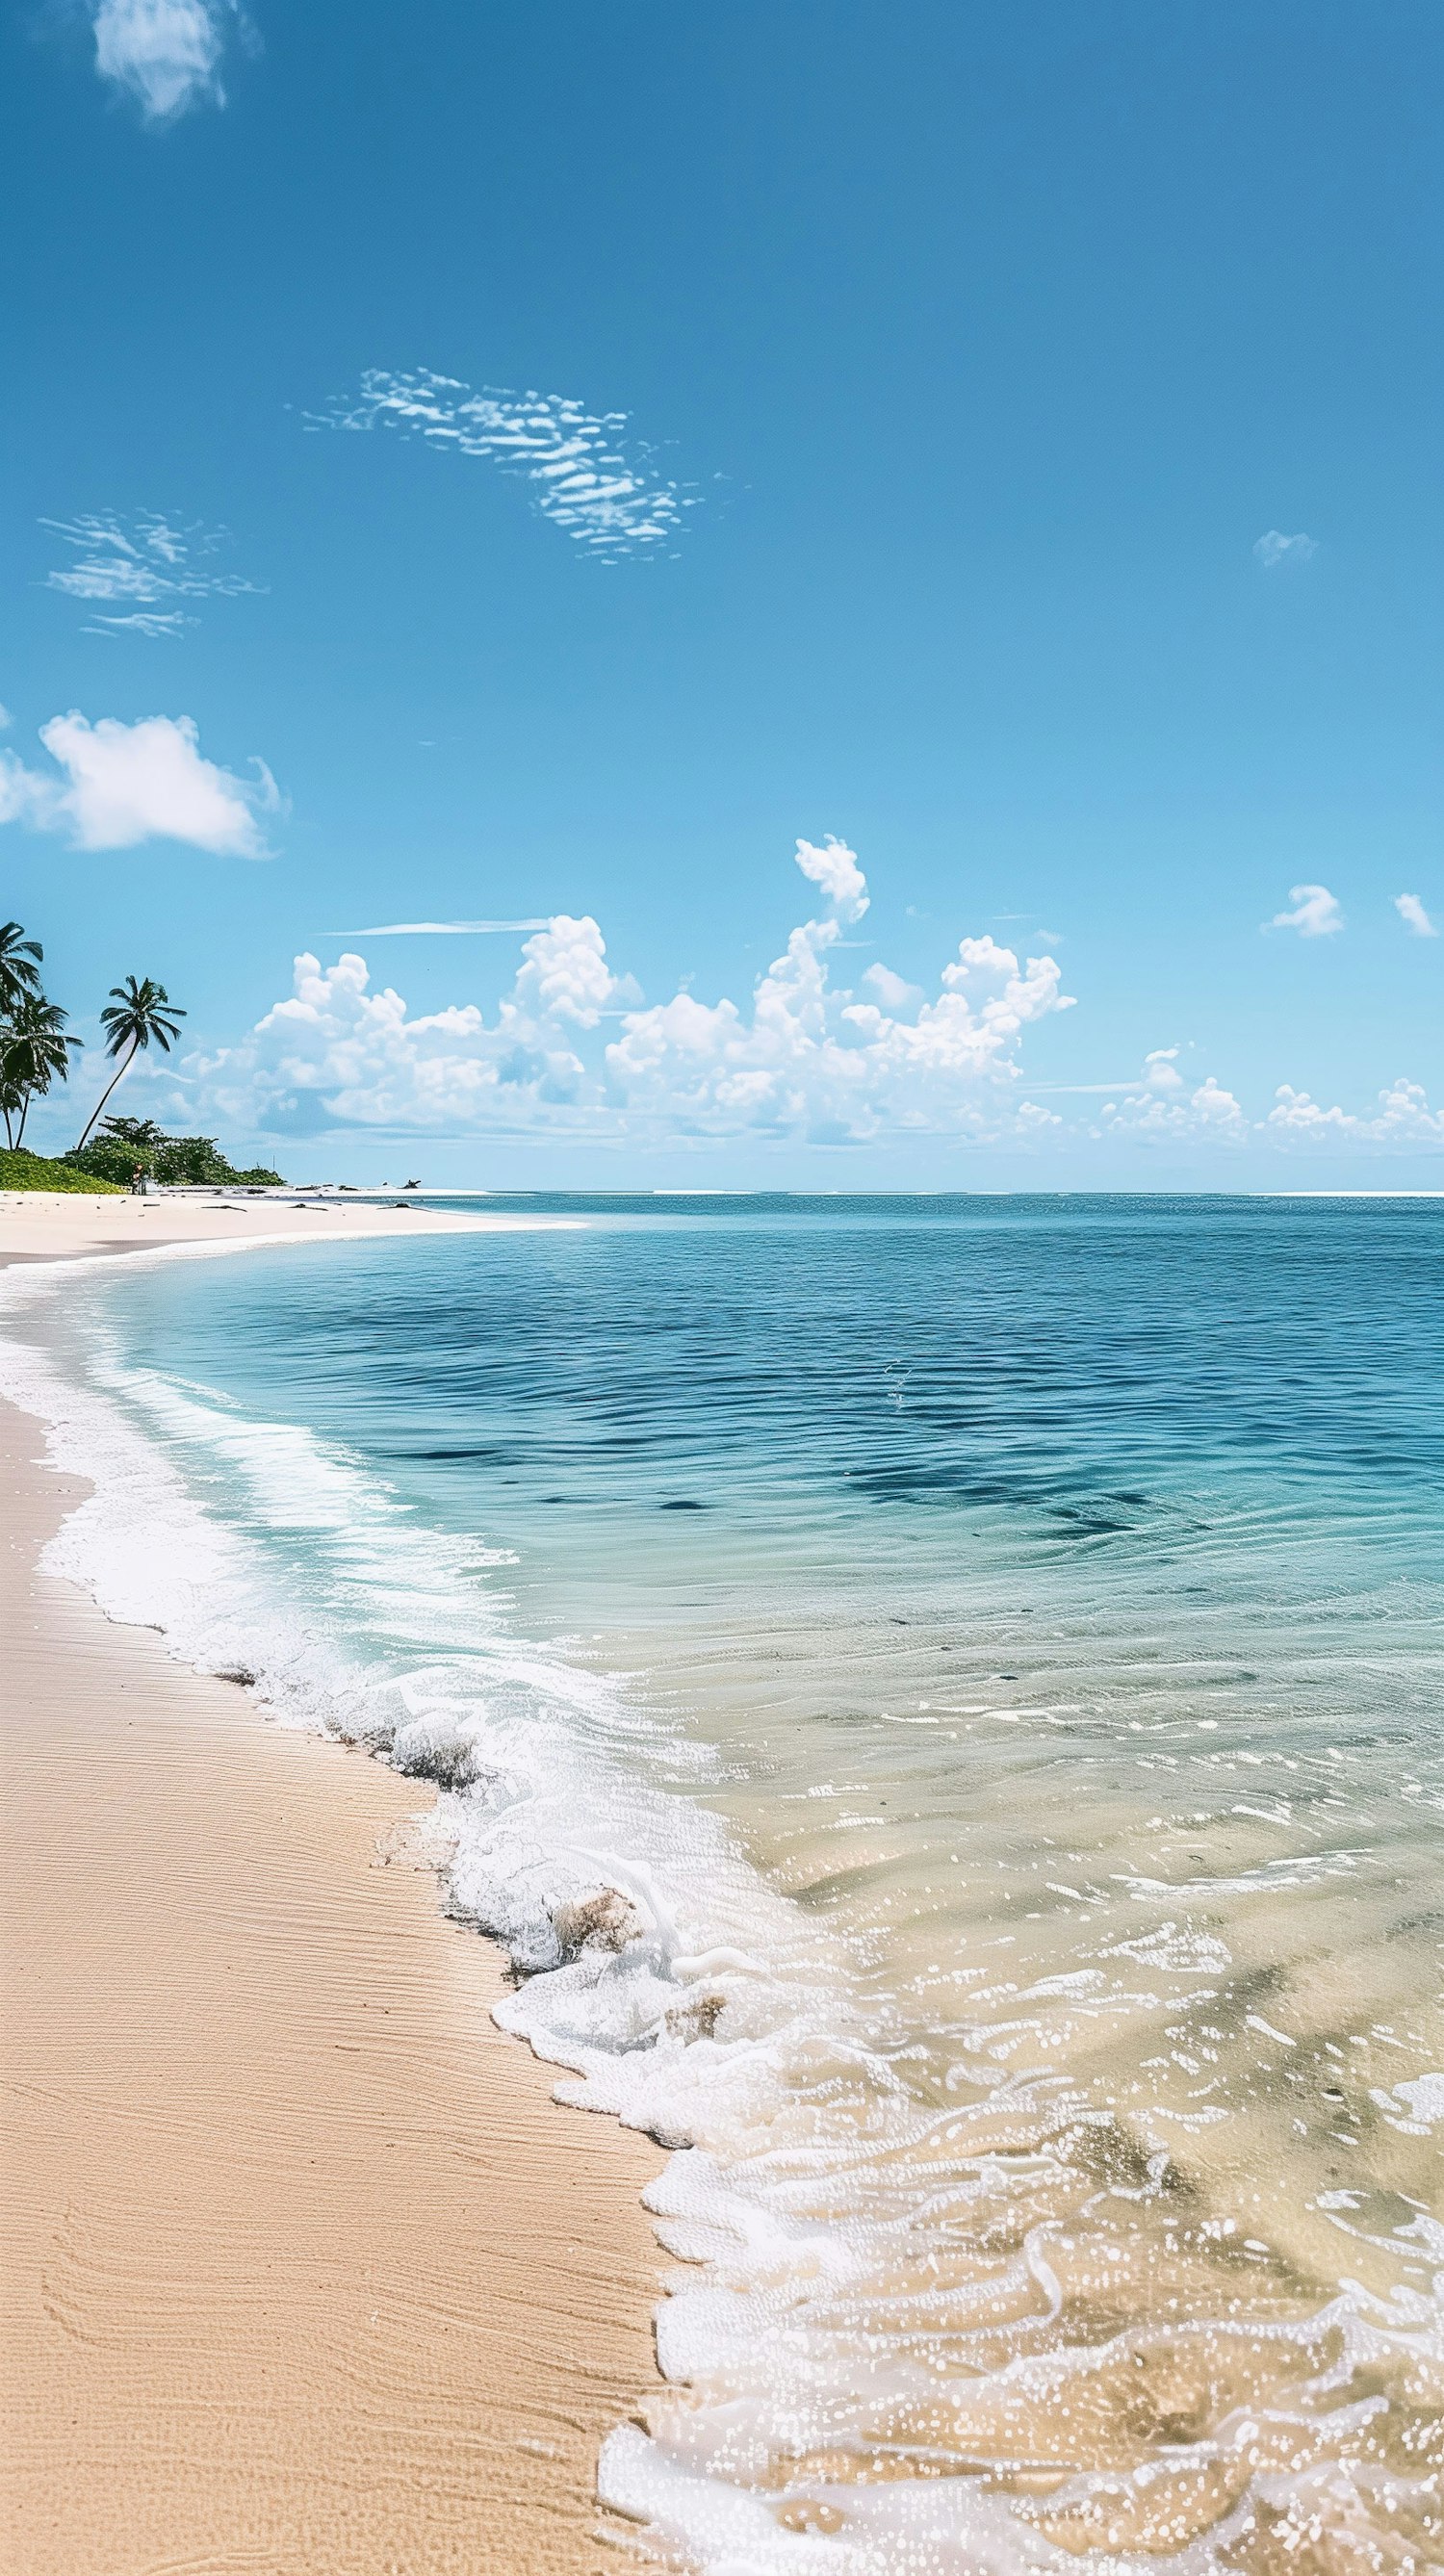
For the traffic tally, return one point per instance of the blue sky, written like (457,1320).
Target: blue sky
(963,369)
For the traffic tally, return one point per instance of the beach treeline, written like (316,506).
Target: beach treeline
(37,1048)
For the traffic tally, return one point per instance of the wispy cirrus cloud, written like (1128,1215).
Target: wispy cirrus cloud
(1315,914)
(441,929)
(1414,917)
(1274,549)
(132,574)
(166,55)
(600,487)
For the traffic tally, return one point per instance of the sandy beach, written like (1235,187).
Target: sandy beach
(44,1225)
(304,2271)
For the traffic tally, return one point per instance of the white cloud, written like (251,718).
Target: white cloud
(1315,915)
(565,975)
(608,496)
(893,991)
(22,793)
(165,54)
(123,783)
(799,1057)
(1216,1111)
(1155,1111)
(834,867)
(6,720)
(130,573)
(1403,1118)
(1414,917)
(335,1053)
(1275,549)
(440,929)
(811,1060)
(1163,1109)
(572,1050)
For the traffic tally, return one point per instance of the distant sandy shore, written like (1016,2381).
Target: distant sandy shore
(302,2271)
(41,1225)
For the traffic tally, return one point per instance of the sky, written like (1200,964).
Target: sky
(827,596)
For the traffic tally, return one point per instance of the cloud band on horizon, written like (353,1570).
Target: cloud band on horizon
(800,1058)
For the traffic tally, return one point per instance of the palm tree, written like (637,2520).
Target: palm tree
(135,1014)
(34,1052)
(19,968)
(10,1100)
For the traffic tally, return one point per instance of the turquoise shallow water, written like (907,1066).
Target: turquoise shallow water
(942,1699)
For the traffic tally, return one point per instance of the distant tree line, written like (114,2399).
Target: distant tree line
(121,1146)
(36,1048)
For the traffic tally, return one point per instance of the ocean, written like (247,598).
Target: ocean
(940,1698)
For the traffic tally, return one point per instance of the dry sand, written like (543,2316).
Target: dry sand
(304,2272)
(44,1225)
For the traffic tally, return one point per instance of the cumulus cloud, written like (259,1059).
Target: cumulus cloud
(572,1049)
(131,574)
(1316,913)
(834,867)
(1160,1070)
(1275,548)
(1414,917)
(893,991)
(601,488)
(1402,1118)
(565,976)
(116,784)
(334,1053)
(1161,1107)
(799,1057)
(164,54)
(808,1059)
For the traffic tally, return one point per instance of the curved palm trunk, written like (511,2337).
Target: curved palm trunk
(105,1095)
(19,1136)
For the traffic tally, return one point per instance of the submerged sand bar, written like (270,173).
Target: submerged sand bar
(304,2272)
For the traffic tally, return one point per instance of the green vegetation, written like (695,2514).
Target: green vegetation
(35,1053)
(22,1171)
(194,1161)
